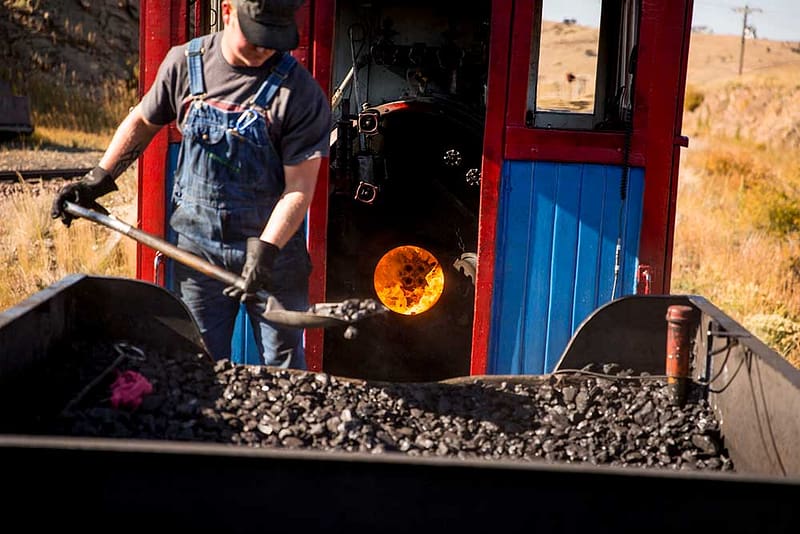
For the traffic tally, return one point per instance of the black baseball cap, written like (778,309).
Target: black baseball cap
(269,23)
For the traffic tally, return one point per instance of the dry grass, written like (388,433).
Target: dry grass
(735,222)
(737,230)
(737,234)
(64,137)
(36,251)
(66,105)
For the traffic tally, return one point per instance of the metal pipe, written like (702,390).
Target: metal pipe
(678,340)
(337,95)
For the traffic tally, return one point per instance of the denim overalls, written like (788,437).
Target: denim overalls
(228,179)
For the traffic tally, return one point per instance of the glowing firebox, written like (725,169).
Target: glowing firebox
(409,280)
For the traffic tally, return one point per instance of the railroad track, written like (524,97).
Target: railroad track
(41,174)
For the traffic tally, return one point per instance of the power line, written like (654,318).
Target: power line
(746,10)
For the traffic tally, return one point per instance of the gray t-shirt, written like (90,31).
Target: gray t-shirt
(299,117)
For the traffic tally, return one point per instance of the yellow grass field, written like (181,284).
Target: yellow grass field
(737,231)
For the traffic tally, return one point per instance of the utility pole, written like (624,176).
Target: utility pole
(746,10)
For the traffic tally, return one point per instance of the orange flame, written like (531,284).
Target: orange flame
(409,280)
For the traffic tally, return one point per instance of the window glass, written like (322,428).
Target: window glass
(583,55)
(568,50)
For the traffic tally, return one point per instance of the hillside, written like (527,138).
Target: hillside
(69,41)
(714,59)
(762,105)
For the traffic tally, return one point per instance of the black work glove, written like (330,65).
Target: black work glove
(257,268)
(84,192)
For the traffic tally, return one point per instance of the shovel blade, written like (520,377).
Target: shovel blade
(324,314)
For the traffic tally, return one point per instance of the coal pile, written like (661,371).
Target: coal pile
(601,415)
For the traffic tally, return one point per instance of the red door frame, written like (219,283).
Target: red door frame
(494,139)
(319,25)
(159,29)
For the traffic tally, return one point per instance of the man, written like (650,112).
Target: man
(255,125)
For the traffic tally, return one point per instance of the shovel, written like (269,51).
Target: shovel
(320,315)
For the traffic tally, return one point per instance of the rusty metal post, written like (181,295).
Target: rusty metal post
(678,340)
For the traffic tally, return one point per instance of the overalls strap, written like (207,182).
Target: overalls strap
(273,82)
(194,60)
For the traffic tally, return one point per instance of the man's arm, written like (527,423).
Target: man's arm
(286,218)
(289,212)
(129,141)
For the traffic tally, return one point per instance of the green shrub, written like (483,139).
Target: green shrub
(784,217)
(693,99)
(779,332)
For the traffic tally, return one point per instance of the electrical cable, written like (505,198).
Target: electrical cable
(728,346)
(627,113)
(723,388)
(723,366)
(355,54)
(767,422)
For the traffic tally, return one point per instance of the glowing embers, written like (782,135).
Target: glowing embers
(409,280)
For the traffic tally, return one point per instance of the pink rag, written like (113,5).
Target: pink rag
(128,390)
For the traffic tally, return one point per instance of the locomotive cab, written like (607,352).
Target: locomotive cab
(519,170)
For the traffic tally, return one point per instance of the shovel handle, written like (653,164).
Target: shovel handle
(274,312)
(165,247)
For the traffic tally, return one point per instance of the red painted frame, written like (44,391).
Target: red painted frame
(322,30)
(493,143)
(670,32)
(320,26)
(159,30)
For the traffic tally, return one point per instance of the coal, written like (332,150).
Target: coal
(350,310)
(600,415)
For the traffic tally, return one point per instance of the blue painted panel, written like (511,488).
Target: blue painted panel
(243,342)
(558,228)
(510,275)
(541,250)
(172,164)
(243,345)
(633,230)
(564,260)
(590,232)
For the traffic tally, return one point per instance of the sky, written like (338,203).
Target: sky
(778,20)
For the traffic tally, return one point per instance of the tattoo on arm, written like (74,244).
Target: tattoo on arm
(126,159)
